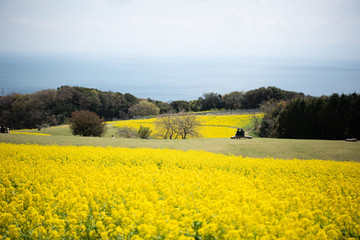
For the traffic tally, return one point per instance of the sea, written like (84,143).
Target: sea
(169,78)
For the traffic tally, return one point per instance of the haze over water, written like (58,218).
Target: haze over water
(175,78)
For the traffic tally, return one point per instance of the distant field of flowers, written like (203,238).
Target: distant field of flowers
(212,126)
(58,192)
(28,133)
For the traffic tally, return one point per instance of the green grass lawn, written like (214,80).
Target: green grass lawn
(257,147)
(64,130)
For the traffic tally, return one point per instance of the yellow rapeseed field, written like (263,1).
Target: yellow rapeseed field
(68,192)
(29,133)
(212,126)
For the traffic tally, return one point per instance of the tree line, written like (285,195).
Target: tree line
(235,100)
(327,117)
(288,114)
(55,106)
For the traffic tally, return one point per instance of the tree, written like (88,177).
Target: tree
(69,100)
(333,117)
(291,121)
(90,99)
(112,105)
(254,98)
(131,99)
(87,123)
(21,110)
(43,104)
(166,127)
(6,110)
(270,122)
(211,101)
(163,106)
(172,127)
(188,126)
(234,100)
(144,108)
(195,105)
(180,106)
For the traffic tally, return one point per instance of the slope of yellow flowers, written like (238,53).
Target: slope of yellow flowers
(54,192)
(212,126)
(29,133)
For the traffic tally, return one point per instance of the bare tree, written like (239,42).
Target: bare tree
(173,127)
(188,126)
(166,127)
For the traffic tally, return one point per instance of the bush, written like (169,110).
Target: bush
(87,123)
(144,132)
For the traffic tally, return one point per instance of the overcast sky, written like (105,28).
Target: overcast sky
(187,27)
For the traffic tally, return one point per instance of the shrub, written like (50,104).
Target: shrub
(144,132)
(87,123)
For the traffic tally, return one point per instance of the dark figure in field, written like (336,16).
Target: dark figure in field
(3,129)
(242,133)
(237,133)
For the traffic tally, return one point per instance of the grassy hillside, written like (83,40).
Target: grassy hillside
(257,147)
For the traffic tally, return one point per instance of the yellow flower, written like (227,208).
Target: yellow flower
(55,192)
(14,232)
(54,235)
(5,219)
(104,235)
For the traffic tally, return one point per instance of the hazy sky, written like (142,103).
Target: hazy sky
(187,27)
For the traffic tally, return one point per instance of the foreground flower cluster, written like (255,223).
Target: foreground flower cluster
(212,126)
(53,192)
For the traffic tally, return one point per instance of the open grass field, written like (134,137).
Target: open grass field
(257,147)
